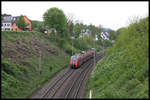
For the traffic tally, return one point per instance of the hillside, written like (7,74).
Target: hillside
(123,73)
(20,62)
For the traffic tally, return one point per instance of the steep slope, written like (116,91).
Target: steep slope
(27,59)
(123,73)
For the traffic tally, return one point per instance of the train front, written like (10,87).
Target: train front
(74,61)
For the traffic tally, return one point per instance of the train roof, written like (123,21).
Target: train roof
(75,55)
(83,52)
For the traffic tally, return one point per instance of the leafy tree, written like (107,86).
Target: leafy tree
(119,31)
(94,30)
(70,23)
(107,43)
(21,23)
(77,30)
(55,18)
(35,25)
(100,30)
(70,27)
(112,35)
(41,27)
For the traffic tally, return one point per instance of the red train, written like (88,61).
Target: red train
(77,60)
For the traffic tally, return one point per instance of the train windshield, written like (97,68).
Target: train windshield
(74,58)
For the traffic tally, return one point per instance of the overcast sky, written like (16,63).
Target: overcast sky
(112,15)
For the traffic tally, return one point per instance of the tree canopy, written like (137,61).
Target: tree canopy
(35,25)
(56,19)
(21,23)
(77,29)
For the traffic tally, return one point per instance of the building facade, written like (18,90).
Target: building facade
(104,36)
(6,23)
(9,23)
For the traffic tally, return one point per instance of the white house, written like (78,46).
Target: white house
(105,36)
(6,23)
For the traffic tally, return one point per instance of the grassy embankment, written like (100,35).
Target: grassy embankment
(123,72)
(20,62)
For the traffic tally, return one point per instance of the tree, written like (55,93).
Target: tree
(55,18)
(41,27)
(107,43)
(94,30)
(35,25)
(70,27)
(70,23)
(112,35)
(77,30)
(100,30)
(21,23)
(120,30)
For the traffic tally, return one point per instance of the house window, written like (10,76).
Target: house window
(14,18)
(7,29)
(8,24)
(5,24)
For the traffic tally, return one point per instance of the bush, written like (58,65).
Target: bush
(68,48)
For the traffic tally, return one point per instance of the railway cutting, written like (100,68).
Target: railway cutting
(70,83)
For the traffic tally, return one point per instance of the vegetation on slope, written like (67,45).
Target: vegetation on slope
(123,73)
(20,62)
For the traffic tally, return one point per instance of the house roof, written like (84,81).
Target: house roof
(6,18)
(6,15)
(28,19)
(14,19)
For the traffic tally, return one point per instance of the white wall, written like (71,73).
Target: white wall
(6,26)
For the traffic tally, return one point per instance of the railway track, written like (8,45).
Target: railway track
(76,86)
(56,85)
(68,84)
(61,81)
(77,83)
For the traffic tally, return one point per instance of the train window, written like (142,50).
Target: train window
(74,58)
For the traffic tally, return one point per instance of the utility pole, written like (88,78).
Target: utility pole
(40,61)
(55,35)
(94,52)
(103,46)
(72,47)
(82,39)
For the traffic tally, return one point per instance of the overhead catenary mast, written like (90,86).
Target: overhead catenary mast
(94,52)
